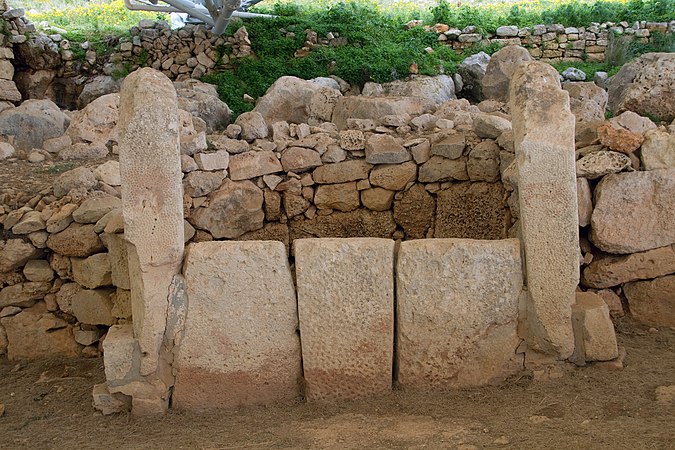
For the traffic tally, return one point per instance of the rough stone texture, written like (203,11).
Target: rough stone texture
(109,403)
(500,69)
(588,103)
(343,196)
(472,70)
(363,107)
(658,150)
(471,211)
(609,270)
(240,345)
(288,99)
(483,162)
(543,129)
(414,212)
(346,311)
(457,312)
(594,336)
(377,199)
(35,333)
(109,173)
(32,123)
(118,259)
(584,202)
(252,125)
(299,159)
(97,122)
(14,253)
(30,222)
(342,172)
(450,147)
(93,307)
(23,294)
(92,209)
(598,164)
(393,177)
(634,211)
(245,166)
(633,122)
(652,302)
(152,201)
(359,223)
(385,149)
(92,272)
(439,89)
(438,168)
(38,270)
(199,184)
(201,100)
(619,139)
(490,126)
(645,86)
(80,177)
(218,160)
(234,209)
(77,240)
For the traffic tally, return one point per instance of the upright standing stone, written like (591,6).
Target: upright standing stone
(543,129)
(152,202)
(240,345)
(457,312)
(346,309)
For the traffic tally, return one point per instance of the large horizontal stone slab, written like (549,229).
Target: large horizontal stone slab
(346,310)
(634,211)
(613,270)
(240,345)
(457,306)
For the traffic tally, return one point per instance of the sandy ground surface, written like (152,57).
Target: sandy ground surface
(48,405)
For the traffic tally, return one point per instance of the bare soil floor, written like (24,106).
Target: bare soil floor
(48,405)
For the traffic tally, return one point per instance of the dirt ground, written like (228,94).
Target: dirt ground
(48,405)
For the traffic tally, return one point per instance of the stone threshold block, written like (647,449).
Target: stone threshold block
(457,312)
(240,345)
(346,311)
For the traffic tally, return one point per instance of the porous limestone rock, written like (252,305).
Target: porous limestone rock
(247,165)
(634,211)
(457,312)
(92,272)
(14,253)
(373,108)
(594,336)
(652,302)
(588,103)
(584,202)
(77,240)
(658,150)
(385,149)
(613,270)
(438,89)
(96,123)
(471,211)
(33,122)
(543,129)
(598,164)
(240,345)
(342,172)
(288,99)
(93,306)
(500,69)
(346,310)
(415,211)
(79,177)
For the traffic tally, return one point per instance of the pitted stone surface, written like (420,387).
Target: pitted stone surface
(457,306)
(240,345)
(152,201)
(652,302)
(543,129)
(634,211)
(613,270)
(346,310)
(594,335)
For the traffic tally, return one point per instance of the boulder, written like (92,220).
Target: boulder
(32,123)
(377,199)
(645,86)
(632,122)
(244,166)
(98,86)
(77,240)
(79,177)
(438,168)
(385,149)
(93,307)
(472,71)
(109,173)
(252,125)
(634,211)
(24,294)
(610,270)
(499,71)
(288,99)
(394,177)
(652,302)
(483,162)
(9,91)
(14,253)
(594,337)
(300,159)
(233,209)
(342,172)
(438,89)
(619,139)
(342,197)
(93,209)
(35,333)
(598,164)
(38,270)
(97,121)
(92,272)
(658,150)
(373,108)
(573,74)
(31,221)
(199,184)
(490,126)
(218,160)
(588,103)
(201,100)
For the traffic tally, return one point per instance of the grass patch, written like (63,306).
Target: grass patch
(60,168)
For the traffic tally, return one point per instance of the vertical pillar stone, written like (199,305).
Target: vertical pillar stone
(457,312)
(151,202)
(543,129)
(346,310)
(240,344)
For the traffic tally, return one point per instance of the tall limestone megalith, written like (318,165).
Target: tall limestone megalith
(152,202)
(543,129)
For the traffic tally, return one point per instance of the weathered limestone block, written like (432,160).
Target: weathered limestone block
(500,69)
(76,241)
(118,259)
(457,306)
(24,294)
(38,270)
(471,211)
(611,270)
(658,150)
(247,165)
(598,164)
(346,310)
(152,201)
(342,172)
(594,336)
(393,177)
(35,333)
(240,345)
(358,223)
(109,403)
(364,107)
(652,302)
(584,201)
(233,209)
(543,129)
(14,253)
(343,197)
(415,211)
(92,272)
(92,209)
(634,211)
(93,307)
